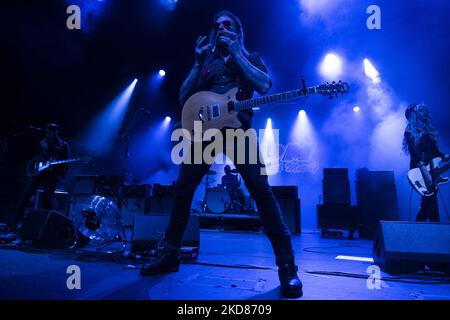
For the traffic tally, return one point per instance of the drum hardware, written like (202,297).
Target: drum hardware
(218,200)
(207,183)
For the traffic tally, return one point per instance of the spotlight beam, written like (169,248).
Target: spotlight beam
(104,129)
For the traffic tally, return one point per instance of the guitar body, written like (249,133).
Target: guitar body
(417,181)
(212,109)
(209,110)
(36,166)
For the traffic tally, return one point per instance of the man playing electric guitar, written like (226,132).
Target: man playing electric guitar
(52,147)
(222,63)
(420,142)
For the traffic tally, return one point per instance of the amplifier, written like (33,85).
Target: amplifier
(285,192)
(287,197)
(377,198)
(60,201)
(131,207)
(108,186)
(137,191)
(160,190)
(336,186)
(149,230)
(84,184)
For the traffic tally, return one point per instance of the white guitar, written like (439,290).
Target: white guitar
(417,181)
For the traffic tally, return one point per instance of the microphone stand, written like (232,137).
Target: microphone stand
(126,137)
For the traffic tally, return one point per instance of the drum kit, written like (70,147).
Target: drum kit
(225,198)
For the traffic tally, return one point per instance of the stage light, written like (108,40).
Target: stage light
(331,66)
(269,148)
(371,72)
(168,119)
(302,131)
(103,130)
(169,4)
(356,109)
(162,73)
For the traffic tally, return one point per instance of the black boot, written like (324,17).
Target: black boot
(166,261)
(290,284)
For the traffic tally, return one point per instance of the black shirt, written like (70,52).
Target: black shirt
(218,75)
(424,150)
(58,150)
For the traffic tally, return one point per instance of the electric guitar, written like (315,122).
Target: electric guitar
(417,181)
(217,111)
(36,166)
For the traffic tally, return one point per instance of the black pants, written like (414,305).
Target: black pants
(429,209)
(48,182)
(189,178)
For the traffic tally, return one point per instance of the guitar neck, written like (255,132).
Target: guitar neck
(274,98)
(444,168)
(65,161)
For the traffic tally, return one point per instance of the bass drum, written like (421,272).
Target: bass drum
(218,200)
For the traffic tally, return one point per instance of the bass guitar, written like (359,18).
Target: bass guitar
(415,177)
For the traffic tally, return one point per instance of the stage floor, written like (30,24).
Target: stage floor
(230,266)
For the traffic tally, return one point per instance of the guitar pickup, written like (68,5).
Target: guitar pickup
(213,111)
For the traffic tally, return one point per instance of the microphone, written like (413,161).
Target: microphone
(145,111)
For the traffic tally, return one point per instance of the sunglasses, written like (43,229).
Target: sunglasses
(226,23)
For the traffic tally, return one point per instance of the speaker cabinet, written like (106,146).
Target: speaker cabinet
(344,217)
(131,207)
(402,247)
(336,186)
(377,199)
(149,230)
(290,206)
(60,201)
(48,229)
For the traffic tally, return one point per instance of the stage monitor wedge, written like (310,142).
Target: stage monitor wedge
(404,247)
(48,229)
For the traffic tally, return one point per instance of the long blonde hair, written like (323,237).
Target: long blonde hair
(418,125)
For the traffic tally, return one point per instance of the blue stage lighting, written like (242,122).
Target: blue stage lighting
(303,131)
(169,4)
(162,73)
(103,131)
(331,66)
(269,148)
(356,109)
(371,72)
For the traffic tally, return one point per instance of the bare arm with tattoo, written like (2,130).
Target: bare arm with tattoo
(259,79)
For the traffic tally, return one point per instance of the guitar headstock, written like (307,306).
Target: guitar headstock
(332,89)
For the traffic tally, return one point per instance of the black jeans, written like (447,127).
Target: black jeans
(189,178)
(429,209)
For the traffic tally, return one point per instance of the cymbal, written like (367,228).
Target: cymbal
(234,171)
(211,172)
